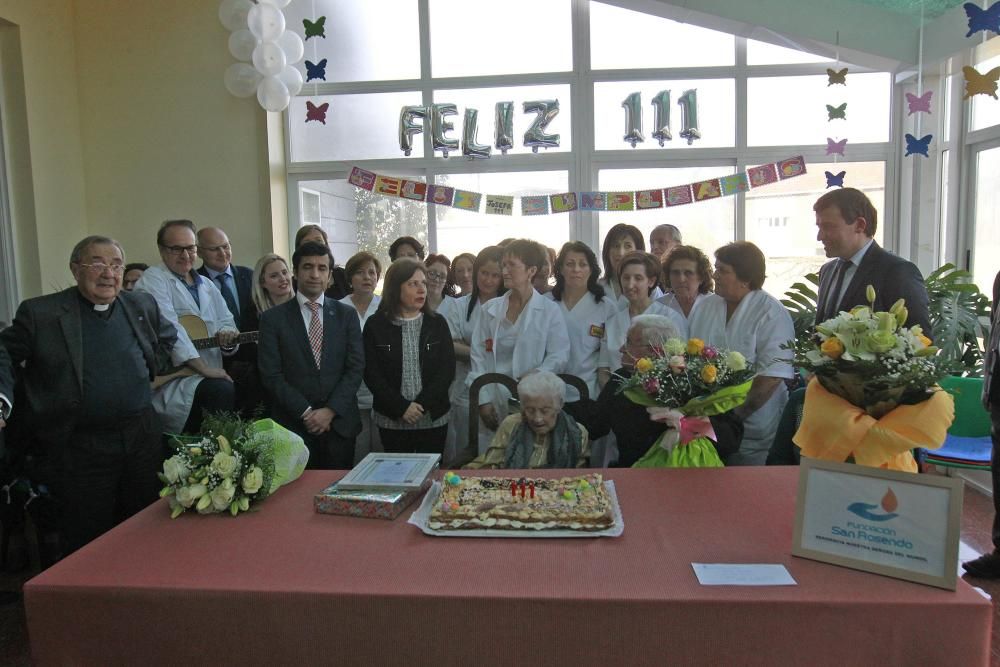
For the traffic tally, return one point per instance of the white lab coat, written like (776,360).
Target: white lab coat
(670,301)
(173,400)
(586,324)
(758,329)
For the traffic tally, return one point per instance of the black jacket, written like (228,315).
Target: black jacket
(384,365)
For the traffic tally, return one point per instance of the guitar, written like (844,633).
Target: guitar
(197,331)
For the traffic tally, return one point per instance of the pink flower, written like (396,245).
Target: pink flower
(652,386)
(677,364)
(709,352)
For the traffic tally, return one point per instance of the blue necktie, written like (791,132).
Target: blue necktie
(227,294)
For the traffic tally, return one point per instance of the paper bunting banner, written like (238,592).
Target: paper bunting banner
(621,201)
(499,205)
(645,199)
(535,205)
(565,202)
(678,195)
(467,200)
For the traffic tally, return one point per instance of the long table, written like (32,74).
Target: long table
(287,586)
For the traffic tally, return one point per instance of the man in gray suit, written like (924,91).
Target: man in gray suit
(311,359)
(89,354)
(847,221)
(987,566)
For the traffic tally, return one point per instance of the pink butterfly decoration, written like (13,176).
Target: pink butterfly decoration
(314,112)
(835,147)
(917,104)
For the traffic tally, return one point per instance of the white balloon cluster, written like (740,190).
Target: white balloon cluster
(259,37)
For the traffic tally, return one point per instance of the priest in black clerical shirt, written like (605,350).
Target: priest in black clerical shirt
(89,353)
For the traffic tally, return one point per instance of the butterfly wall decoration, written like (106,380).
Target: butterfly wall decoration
(316,70)
(980,84)
(315,28)
(916,146)
(837,112)
(314,112)
(835,147)
(834,76)
(835,180)
(920,103)
(982,19)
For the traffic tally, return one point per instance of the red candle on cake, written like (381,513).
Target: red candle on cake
(532,489)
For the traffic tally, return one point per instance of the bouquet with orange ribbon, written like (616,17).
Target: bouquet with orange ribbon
(684,383)
(874,396)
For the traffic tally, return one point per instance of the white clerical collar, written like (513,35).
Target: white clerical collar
(101,307)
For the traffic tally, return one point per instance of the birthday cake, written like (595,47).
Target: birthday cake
(507,503)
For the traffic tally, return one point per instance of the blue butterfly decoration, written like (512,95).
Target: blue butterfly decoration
(982,19)
(316,70)
(916,146)
(835,180)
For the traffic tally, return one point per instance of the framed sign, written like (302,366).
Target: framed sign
(891,523)
(401,472)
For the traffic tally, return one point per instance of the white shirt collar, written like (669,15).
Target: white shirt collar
(859,255)
(213,274)
(302,300)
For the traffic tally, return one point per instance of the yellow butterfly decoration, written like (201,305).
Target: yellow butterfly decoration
(980,84)
(836,77)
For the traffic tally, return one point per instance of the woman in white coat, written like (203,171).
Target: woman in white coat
(363,271)
(519,332)
(462,320)
(741,316)
(687,279)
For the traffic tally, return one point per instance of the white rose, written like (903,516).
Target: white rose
(736,361)
(224,465)
(187,495)
(175,469)
(253,480)
(223,495)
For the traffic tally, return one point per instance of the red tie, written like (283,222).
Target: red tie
(315,332)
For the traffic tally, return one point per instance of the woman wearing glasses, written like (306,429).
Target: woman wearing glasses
(440,291)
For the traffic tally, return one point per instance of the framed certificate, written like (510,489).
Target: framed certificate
(883,521)
(403,472)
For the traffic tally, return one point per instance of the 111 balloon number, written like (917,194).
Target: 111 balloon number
(688,102)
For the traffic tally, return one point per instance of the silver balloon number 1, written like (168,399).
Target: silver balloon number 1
(661,116)
(688,102)
(633,119)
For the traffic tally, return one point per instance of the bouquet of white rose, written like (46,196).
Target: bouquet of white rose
(232,464)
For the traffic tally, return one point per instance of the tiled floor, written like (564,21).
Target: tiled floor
(977,520)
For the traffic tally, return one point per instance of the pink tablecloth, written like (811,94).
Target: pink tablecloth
(285,585)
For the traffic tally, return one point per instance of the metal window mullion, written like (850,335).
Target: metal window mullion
(741,132)
(582,177)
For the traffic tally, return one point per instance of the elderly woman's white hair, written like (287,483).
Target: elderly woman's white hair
(655,329)
(543,384)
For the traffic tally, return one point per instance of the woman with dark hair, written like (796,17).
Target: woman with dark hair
(339,285)
(519,332)
(440,291)
(638,275)
(409,363)
(687,279)
(586,310)
(463,318)
(743,317)
(463,272)
(406,246)
(364,270)
(618,242)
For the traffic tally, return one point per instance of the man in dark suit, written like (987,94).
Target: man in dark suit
(89,354)
(311,360)
(6,387)
(987,566)
(236,284)
(847,221)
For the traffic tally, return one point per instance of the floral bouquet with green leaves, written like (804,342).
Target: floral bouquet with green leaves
(232,464)
(695,381)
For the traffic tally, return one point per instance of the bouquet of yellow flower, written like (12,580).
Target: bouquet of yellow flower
(697,381)
(874,396)
(232,464)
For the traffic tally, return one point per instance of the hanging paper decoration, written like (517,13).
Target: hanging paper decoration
(318,113)
(679,195)
(315,28)
(388,185)
(621,201)
(467,200)
(762,175)
(534,205)
(835,147)
(980,84)
(982,19)
(919,104)
(837,112)
(499,205)
(835,180)
(835,77)
(415,190)
(440,194)
(315,70)
(791,167)
(916,146)
(593,201)
(564,202)
(709,189)
(362,178)
(646,199)
(733,184)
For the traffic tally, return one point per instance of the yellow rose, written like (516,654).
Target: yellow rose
(832,347)
(924,339)
(644,365)
(695,345)
(708,372)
